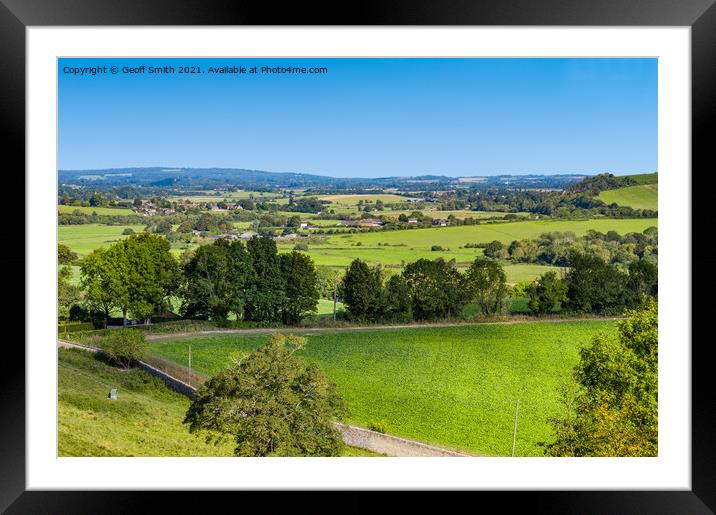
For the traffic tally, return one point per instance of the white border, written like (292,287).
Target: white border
(671,470)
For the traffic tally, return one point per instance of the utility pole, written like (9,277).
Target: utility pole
(190,371)
(514,435)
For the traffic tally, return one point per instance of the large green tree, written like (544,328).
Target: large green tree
(436,289)
(611,407)
(67,293)
(136,275)
(215,279)
(271,404)
(299,276)
(594,286)
(361,290)
(546,293)
(265,297)
(485,284)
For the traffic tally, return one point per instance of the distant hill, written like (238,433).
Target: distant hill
(210,178)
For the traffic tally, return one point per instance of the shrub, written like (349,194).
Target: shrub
(379,426)
(436,248)
(301,246)
(128,231)
(124,346)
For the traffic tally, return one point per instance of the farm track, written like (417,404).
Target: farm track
(315,330)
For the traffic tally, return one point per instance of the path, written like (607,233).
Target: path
(313,330)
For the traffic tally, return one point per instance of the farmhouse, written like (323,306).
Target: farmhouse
(440,222)
(248,235)
(370,222)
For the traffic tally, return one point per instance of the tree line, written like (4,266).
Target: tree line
(140,277)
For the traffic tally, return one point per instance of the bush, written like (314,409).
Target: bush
(436,248)
(301,246)
(128,231)
(379,426)
(124,346)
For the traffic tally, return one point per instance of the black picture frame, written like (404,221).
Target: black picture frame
(700,15)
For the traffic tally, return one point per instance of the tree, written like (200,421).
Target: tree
(611,406)
(265,296)
(485,284)
(136,275)
(299,276)
(643,280)
(594,286)
(435,289)
(68,294)
(361,291)
(271,404)
(65,256)
(149,271)
(124,346)
(398,305)
(101,279)
(546,293)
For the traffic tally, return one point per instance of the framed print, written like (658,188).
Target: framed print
(414,250)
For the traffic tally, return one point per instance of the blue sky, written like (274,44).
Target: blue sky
(366,117)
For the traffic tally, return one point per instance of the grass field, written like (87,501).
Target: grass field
(455,386)
(83,239)
(145,420)
(644,196)
(99,210)
(352,200)
(400,247)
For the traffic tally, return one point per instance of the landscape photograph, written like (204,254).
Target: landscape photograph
(357,257)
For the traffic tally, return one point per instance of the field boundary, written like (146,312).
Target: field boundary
(352,435)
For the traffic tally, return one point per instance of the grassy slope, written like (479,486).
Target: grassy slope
(644,196)
(455,386)
(646,178)
(145,420)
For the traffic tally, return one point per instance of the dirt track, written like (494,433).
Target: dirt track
(314,330)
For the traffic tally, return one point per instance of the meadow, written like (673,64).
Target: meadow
(397,248)
(83,239)
(450,386)
(145,420)
(643,196)
(99,210)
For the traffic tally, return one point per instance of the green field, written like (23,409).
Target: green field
(644,196)
(405,246)
(352,200)
(455,386)
(145,420)
(83,239)
(99,210)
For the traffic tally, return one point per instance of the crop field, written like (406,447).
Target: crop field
(452,386)
(644,196)
(99,210)
(83,239)
(145,420)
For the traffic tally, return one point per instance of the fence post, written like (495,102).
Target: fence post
(514,434)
